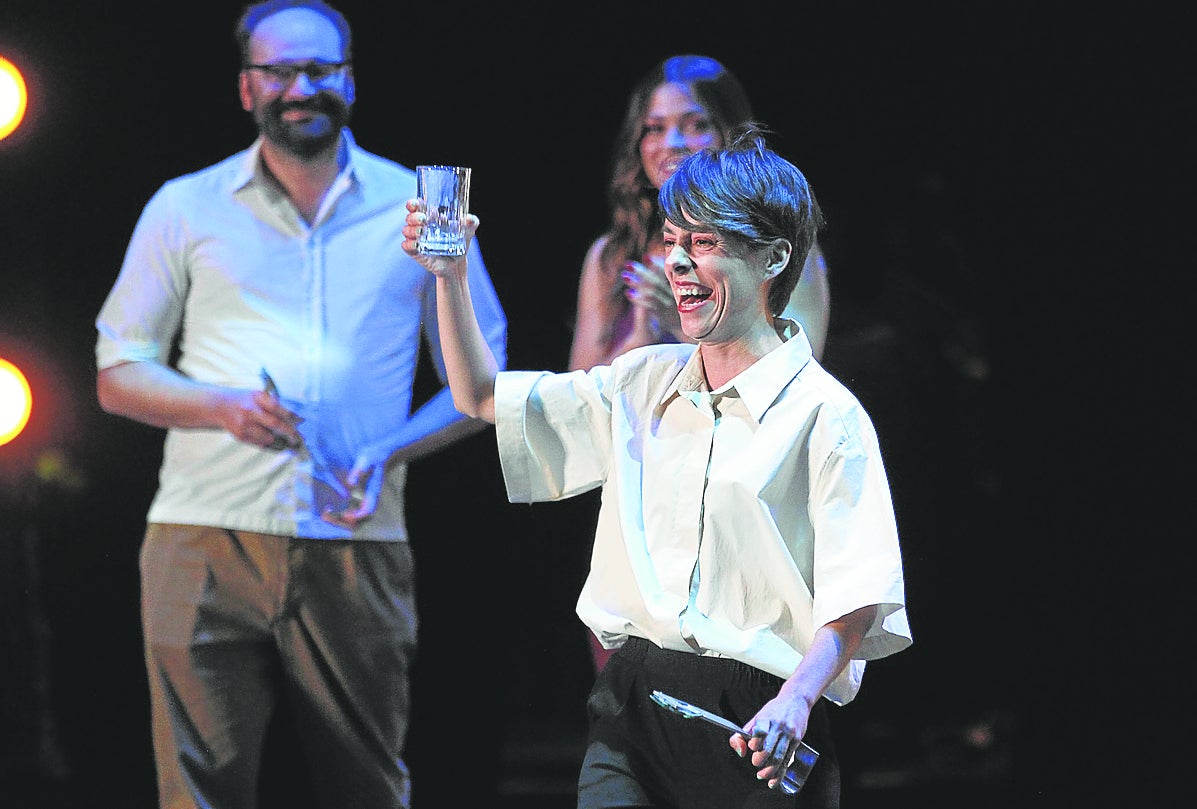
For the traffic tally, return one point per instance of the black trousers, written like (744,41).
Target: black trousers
(640,755)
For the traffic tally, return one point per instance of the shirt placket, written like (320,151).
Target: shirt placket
(316,315)
(315,254)
(709,405)
(311,349)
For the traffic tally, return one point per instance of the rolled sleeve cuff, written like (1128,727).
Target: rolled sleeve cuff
(512,391)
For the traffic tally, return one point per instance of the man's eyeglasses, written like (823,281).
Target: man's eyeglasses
(281,75)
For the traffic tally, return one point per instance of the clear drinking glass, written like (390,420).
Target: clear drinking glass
(445,191)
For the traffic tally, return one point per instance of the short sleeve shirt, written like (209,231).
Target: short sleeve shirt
(733,522)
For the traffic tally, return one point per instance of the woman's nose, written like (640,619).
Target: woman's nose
(677,261)
(674,139)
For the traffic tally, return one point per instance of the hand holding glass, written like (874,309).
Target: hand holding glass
(445,191)
(797,769)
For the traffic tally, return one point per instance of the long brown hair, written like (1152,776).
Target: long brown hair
(631,196)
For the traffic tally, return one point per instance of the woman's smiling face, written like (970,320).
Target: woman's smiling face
(718,283)
(675,126)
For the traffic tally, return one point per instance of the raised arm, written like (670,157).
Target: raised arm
(469,363)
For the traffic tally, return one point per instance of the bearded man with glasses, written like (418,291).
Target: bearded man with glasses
(276,564)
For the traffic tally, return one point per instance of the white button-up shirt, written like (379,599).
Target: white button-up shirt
(733,522)
(335,312)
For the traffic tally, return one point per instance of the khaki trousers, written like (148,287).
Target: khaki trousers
(235,621)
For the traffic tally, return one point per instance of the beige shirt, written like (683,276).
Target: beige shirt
(733,522)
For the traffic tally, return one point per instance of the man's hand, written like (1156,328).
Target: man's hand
(256,417)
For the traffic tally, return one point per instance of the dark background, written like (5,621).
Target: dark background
(1009,218)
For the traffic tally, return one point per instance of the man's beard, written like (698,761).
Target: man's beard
(309,138)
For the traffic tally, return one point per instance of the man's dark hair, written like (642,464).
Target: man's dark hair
(256,12)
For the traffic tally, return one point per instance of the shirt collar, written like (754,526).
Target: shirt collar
(690,383)
(250,167)
(759,385)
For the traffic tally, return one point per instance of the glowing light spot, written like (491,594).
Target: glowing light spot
(16,401)
(13,97)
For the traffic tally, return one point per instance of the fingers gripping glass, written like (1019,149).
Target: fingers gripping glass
(797,769)
(281,75)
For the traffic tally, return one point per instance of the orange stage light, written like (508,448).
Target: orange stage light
(13,97)
(16,401)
